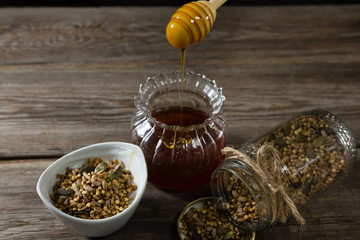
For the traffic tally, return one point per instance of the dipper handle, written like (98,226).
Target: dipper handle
(192,22)
(216,3)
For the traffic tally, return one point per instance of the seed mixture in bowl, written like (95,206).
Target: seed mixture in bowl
(97,190)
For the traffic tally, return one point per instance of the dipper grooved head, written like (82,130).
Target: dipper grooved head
(192,22)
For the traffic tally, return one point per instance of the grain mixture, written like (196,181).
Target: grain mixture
(241,205)
(312,157)
(97,190)
(208,223)
(313,154)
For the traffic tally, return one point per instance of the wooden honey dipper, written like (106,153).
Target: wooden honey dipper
(192,22)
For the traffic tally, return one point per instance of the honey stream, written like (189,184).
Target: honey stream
(182,55)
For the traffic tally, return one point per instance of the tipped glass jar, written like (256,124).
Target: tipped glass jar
(265,180)
(181,129)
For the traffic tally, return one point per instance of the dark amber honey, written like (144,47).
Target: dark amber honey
(179,159)
(180,116)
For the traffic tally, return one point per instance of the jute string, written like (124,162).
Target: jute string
(267,164)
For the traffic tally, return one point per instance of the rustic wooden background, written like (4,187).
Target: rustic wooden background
(68,76)
(84,3)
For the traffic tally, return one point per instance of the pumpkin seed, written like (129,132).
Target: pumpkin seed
(101,166)
(317,142)
(310,151)
(228,235)
(280,141)
(118,173)
(287,130)
(301,138)
(65,192)
(87,169)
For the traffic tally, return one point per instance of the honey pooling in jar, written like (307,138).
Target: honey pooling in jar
(181,140)
(178,116)
(185,148)
(183,117)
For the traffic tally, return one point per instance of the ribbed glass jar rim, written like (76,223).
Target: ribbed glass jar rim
(155,85)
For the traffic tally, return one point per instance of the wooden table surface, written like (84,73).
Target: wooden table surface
(68,77)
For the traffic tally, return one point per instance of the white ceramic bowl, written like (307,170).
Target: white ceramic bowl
(133,159)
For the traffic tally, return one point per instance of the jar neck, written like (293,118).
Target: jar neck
(260,192)
(170,90)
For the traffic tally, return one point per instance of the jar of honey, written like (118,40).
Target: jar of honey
(265,180)
(180,127)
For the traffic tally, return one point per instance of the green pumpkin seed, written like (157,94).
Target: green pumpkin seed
(113,175)
(228,235)
(100,167)
(220,231)
(192,227)
(280,142)
(310,151)
(64,192)
(317,142)
(287,130)
(301,138)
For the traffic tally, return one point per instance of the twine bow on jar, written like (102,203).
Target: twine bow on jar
(268,166)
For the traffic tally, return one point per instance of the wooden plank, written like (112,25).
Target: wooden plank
(68,75)
(332,214)
(24,216)
(43,3)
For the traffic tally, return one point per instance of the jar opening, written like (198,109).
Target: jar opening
(181,116)
(167,91)
(241,196)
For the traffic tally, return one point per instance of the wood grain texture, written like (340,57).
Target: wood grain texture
(68,77)
(23,216)
(334,213)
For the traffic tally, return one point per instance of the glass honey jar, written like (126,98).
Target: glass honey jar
(180,127)
(265,180)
